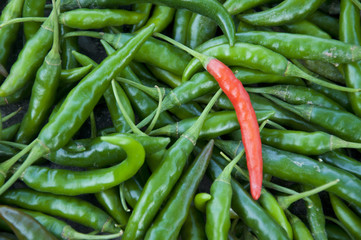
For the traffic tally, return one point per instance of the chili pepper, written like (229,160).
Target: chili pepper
(315,216)
(6,152)
(62,230)
(98,18)
(286,12)
(234,6)
(180,26)
(298,95)
(244,110)
(249,210)
(306,143)
(32,8)
(168,223)
(7,134)
(68,76)
(145,9)
(22,93)
(132,190)
(79,103)
(143,73)
(271,206)
(340,123)
(307,28)
(327,70)
(29,59)
(153,160)
(325,22)
(161,182)
(215,125)
(334,232)
(153,51)
(348,218)
(200,29)
(193,227)
(23,225)
(209,8)
(8,34)
(260,58)
(71,208)
(350,20)
(68,45)
(110,201)
(300,231)
(200,201)
(302,169)
(162,16)
(342,161)
(43,91)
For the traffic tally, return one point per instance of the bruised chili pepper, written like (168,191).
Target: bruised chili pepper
(246,115)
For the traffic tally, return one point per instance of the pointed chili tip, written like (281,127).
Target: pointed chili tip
(256,191)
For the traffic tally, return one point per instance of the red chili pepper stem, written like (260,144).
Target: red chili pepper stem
(246,115)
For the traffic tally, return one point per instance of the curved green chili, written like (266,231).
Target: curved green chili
(162,16)
(300,231)
(145,9)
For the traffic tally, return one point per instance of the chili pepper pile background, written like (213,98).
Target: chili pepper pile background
(111,129)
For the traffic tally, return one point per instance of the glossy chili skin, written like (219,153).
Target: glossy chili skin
(162,16)
(215,125)
(346,216)
(234,6)
(335,232)
(210,8)
(300,231)
(325,22)
(71,208)
(302,169)
(180,26)
(307,28)
(299,95)
(132,190)
(350,33)
(68,45)
(8,34)
(8,134)
(98,18)
(170,219)
(200,29)
(193,227)
(23,225)
(249,210)
(283,13)
(145,9)
(325,69)
(110,201)
(340,160)
(68,76)
(32,8)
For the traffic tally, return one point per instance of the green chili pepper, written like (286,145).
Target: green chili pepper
(307,28)
(163,179)
(68,76)
(286,12)
(193,227)
(235,6)
(8,134)
(335,232)
(200,29)
(162,16)
(143,8)
(300,231)
(325,69)
(132,190)
(23,225)
(32,8)
(180,26)
(68,45)
(325,22)
(170,219)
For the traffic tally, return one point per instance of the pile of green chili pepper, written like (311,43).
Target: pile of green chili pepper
(122,135)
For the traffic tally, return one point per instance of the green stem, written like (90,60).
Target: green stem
(158,111)
(286,201)
(275,125)
(148,90)
(56,45)
(124,112)
(122,198)
(14,144)
(69,233)
(84,34)
(357,3)
(7,117)
(22,20)
(93,126)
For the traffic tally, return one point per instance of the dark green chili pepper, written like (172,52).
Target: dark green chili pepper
(350,33)
(215,125)
(170,219)
(62,230)
(132,190)
(325,69)
(325,22)
(235,6)
(8,33)
(300,231)
(340,123)
(143,73)
(209,8)
(23,225)
(335,232)
(8,134)
(71,208)
(298,95)
(163,179)
(306,143)
(162,16)
(271,206)
(307,28)
(165,76)
(200,29)
(43,91)
(21,94)
(153,51)
(315,216)
(78,105)
(302,169)
(348,218)
(180,26)
(145,9)
(110,201)
(6,152)
(338,159)
(29,59)
(68,76)
(285,12)
(32,8)
(193,227)
(68,45)
(98,18)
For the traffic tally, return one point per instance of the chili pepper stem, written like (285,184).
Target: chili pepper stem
(68,233)
(286,201)
(22,20)
(122,197)
(7,117)
(357,3)
(38,150)
(14,144)
(158,111)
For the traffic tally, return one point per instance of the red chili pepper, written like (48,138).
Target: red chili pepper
(246,115)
